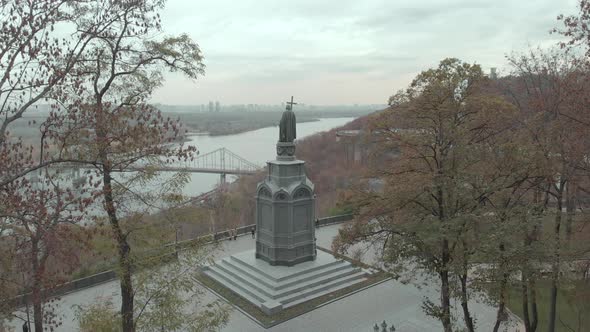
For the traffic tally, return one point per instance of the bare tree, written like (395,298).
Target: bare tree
(121,67)
(44,221)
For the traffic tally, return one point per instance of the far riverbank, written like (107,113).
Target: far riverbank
(240,129)
(231,123)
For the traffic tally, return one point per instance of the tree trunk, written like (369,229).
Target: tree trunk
(464,298)
(36,288)
(533,303)
(528,287)
(124,257)
(445,294)
(125,264)
(501,313)
(464,303)
(525,302)
(532,288)
(570,206)
(556,260)
(529,302)
(553,301)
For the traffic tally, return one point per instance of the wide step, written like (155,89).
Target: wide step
(224,279)
(251,277)
(324,281)
(328,288)
(322,293)
(279,291)
(290,275)
(289,286)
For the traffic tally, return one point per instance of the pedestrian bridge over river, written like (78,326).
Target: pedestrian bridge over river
(221,161)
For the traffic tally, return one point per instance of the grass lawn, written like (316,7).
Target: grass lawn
(573,309)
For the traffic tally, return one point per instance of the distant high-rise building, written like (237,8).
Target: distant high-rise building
(217,106)
(493,73)
(210,106)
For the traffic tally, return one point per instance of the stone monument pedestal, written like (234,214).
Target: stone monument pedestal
(285,212)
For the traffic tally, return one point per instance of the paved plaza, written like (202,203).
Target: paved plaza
(391,301)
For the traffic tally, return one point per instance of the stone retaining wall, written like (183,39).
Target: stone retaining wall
(333,220)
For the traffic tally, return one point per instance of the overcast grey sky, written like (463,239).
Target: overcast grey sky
(343,51)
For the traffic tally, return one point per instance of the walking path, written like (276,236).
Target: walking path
(392,301)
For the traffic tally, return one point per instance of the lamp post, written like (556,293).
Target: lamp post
(28,322)
(176,241)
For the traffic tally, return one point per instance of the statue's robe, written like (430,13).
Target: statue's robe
(287,131)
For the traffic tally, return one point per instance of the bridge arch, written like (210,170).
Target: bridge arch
(221,161)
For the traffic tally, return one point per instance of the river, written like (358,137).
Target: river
(257,146)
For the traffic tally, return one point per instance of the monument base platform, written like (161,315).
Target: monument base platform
(274,288)
(285,262)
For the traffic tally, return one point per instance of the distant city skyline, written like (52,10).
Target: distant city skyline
(217,106)
(345,51)
(301,104)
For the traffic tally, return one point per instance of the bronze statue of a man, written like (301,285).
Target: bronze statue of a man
(287,126)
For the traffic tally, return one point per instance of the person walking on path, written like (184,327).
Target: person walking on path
(253,232)
(235,233)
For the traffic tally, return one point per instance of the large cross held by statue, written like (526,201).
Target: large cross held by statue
(290,104)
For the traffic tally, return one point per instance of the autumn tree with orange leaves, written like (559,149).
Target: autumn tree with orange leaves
(34,215)
(112,127)
(439,134)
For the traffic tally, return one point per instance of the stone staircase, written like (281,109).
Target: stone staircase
(273,288)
